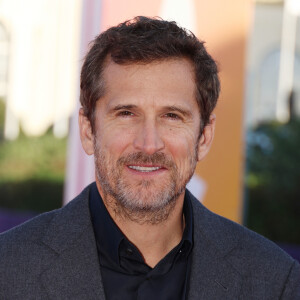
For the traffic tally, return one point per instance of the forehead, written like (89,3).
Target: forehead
(163,81)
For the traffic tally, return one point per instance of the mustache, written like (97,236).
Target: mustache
(157,158)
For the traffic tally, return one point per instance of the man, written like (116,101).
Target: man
(148,90)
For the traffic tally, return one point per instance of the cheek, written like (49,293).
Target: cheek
(115,142)
(182,149)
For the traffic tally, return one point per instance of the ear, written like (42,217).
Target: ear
(206,138)
(86,135)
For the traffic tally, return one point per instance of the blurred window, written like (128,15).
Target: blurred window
(268,86)
(4,42)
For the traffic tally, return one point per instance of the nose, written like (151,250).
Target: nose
(148,139)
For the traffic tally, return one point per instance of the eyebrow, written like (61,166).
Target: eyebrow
(183,111)
(120,107)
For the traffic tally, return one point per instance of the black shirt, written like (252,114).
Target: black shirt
(124,273)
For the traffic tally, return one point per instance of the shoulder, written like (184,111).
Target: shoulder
(22,254)
(19,240)
(250,254)
(30,249)
(226,234)
(29,231)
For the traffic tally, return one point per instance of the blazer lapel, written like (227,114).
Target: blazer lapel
(212,275)
(74,272)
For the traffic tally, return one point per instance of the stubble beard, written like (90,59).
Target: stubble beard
(145,201)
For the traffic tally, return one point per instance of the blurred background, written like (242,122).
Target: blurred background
(252,174)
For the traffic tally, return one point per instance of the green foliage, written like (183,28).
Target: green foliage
(32,172)
(31,194)
(273,181)
(2,113)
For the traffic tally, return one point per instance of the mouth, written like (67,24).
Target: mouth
(145,169)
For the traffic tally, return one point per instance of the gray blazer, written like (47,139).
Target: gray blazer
(54,256)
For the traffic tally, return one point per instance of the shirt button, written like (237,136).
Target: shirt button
(129,251)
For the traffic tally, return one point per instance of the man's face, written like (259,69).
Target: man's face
(146,142)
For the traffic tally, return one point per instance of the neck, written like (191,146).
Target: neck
(153,240)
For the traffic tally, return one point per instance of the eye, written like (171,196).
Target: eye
(125,113)
(172,116)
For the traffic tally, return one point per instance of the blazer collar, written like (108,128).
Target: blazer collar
(212,275)
(74,272)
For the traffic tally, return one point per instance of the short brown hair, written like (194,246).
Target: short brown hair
(144,40)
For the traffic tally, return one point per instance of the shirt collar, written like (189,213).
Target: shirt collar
(110,235)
